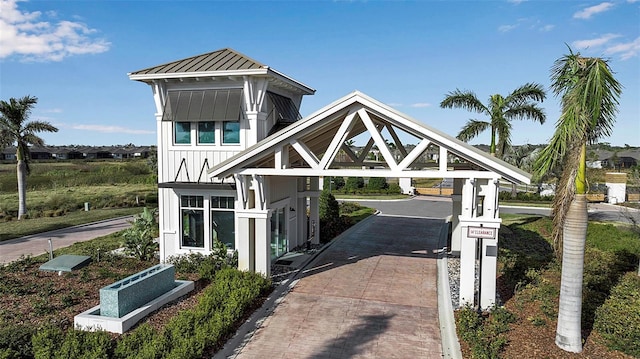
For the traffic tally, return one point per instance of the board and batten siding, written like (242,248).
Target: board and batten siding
(190,164)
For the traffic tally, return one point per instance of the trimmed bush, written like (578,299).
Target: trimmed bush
(353,184)
(15,341)
(329,208)
(618,319)
(377,184)
(484,332)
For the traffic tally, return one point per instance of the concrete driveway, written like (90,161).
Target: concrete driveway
(371,294)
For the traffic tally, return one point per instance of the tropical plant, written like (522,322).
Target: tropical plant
(14,129)
(589,98)
(522,157)
(139,239)
(518,105)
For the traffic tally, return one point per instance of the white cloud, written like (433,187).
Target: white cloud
(506,28)
(26,35)
(625,50)
(632,1)
(597,42)
(421,105)
(51,110)
(592,10)
(516,1)
(395,104)
(111,129)
(547,28)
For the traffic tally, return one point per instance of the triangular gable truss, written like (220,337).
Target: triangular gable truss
(317,146)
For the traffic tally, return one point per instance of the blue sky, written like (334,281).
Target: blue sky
(75,55)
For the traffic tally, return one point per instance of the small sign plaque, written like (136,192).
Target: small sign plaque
(481,232)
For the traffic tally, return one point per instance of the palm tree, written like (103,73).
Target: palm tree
(14,129)
(522,157)
(518,105)
(589,99)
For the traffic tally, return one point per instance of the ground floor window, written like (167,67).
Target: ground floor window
(192,218)
(279,242)
(223,220)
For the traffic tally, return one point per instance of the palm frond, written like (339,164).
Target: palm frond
(464,99)
(472,129)
(525,93)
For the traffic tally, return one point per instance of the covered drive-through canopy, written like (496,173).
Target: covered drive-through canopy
(310,147)
(282,171)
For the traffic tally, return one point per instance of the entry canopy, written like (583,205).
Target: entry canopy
(318,146)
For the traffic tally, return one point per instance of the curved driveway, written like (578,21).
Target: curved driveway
(371,294)
(37,244)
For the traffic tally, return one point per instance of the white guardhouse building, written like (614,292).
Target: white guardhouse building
(237,163)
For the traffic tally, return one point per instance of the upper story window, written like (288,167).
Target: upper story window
(207,132)
(182,133)
(198,114)
(231,132)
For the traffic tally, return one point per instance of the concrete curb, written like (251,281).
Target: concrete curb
(450,342)
(243,335)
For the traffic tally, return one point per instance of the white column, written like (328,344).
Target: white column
(244,245)
(251,133)
(314,211)
(263,244)
(467,245)
(488,272)
(467,269)
(456,211)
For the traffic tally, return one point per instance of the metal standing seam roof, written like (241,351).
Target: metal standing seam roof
(220,60)
(225,61)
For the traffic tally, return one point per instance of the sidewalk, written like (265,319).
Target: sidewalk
(37,244)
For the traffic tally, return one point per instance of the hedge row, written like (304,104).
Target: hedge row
(191,334)
(618,319)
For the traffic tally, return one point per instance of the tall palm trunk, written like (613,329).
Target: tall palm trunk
(568,332)
(574,234)
(22,189)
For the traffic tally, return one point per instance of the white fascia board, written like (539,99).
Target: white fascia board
(284,78)
(356,172)
(183,75)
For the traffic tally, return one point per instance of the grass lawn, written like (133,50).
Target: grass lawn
(376,197)
(528,284)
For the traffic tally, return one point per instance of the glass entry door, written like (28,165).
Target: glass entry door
(279,242)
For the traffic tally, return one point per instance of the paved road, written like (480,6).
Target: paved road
(597,212)
(39,243)
(371,294)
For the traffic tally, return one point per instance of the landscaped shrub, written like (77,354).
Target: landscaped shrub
(15,341)
(602,271)
(329,209)
(618,319)
(142,343)
(51,342)
(377,184)
(353,184)
(394,188)
(223,303)
(484,333)
(330,183)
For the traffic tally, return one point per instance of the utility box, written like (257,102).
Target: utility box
(617,187)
